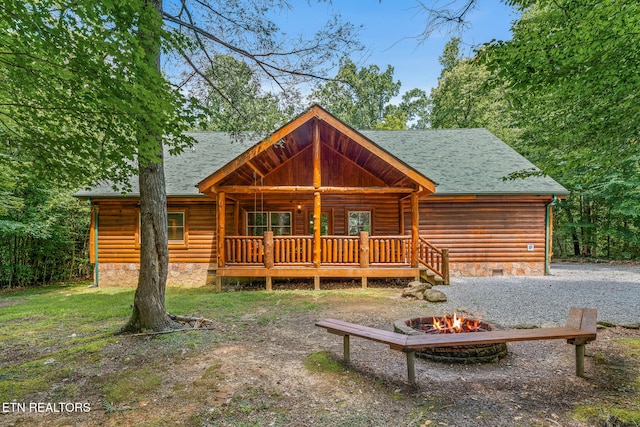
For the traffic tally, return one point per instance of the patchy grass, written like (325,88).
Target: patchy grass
(53,334)
(623,405)
(322,362)
(252,407)
(132,385)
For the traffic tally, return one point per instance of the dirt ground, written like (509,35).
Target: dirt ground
(251,372)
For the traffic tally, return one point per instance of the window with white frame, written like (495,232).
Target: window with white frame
(277,222)
(359,221)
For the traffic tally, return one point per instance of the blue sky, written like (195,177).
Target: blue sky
(389,31)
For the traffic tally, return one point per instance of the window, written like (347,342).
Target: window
(324,224)
(176,228)
(277,222)
(359,221)
(175,221)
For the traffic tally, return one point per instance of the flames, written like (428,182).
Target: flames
(451,324)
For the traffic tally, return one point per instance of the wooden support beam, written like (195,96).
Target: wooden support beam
(220,216)
(317,228)
(445,267)
(415,228)
(242,189)
(580,360)
(347,348)
(269,283)
(255,169)
(269,259)
(316,283)
(317,161)
(364,249)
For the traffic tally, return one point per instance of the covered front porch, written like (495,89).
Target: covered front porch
(317,199)
(361,256)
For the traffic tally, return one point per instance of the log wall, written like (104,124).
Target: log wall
(488,236)
(485,236)
(118,231)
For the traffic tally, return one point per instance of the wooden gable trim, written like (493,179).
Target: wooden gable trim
(205,185)
(425,185)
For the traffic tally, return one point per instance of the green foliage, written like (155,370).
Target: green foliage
(468,96)
(76,88)
(362,98)
(234,100)
(44,238)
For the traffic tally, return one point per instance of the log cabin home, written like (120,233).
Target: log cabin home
(318,199)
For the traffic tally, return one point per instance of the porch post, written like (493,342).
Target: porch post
(220,214)
(364,249)
(317,247)
(268,249)
(415,228)
(317,203)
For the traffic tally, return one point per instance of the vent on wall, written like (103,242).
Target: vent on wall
(499,272)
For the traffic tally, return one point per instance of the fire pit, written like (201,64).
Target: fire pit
(452,324)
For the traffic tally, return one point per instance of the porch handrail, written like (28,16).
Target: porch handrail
(293,249)
(340,249)
(390,249)
(436,260)
(284,250)
(244,249)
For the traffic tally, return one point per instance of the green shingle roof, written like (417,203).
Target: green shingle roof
(464,161)
(461,161)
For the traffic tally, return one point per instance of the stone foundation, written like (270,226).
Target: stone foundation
(487,269)
(199,274)
(180,274)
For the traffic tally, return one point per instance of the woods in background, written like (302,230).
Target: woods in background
(563,92)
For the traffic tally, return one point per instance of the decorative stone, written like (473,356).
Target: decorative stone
(433,295)
(415,289)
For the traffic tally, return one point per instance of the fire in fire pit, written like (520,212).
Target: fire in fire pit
(451,324)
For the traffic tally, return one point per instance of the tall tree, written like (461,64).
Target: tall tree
(468,95)
(81,94)
(237,101)
(572,70)
(362,97)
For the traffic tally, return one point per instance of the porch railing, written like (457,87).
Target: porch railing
(286,250)
(244,249)
(436,260)
(292,249)
(390,249)
(340,249)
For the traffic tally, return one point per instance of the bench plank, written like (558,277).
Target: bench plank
(418,342)
(393,339)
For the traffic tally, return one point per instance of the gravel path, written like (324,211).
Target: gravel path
(545,301)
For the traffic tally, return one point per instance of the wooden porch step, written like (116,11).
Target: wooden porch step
(430,277)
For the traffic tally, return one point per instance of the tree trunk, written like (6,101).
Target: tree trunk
(149,311)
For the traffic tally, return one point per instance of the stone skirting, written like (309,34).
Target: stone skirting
(199,274)
(180,274)
(486,269)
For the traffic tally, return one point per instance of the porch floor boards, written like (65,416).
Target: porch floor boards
(322,271)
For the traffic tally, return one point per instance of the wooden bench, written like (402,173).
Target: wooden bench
(579,330)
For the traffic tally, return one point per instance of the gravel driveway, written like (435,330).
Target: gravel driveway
(544,301)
